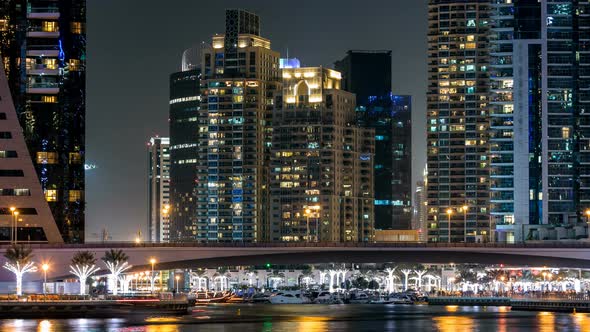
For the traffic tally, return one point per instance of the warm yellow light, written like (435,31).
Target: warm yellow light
(587,212)
(465,207)
(137,240)
(45,266)
(16,213)
(335,74)
(152,261)
(177,278)
(449,211)
(12,208)
(308,211)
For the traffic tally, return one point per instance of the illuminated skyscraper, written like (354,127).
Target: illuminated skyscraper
(185,143)
(457,120)
(321,164)
(391,118)
(159,189)
(420,213)
(22,201)
(43,44)
(239,74)
(540,119)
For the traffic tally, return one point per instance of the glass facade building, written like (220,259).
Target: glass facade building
(185,143)
(43,45)
(366,73)
(458,121)
(540,71)
(391,118)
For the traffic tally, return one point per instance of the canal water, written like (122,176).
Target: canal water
(310,318)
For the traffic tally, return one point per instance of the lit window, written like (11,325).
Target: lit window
(565,132)
(50,63)
(51,195)
(75,65)
(46,158)
(76,27)
(49,99)
(75,196)
(75,158)
(4,25)
(49,26)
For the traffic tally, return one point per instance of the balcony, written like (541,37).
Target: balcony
(47,31)
(42,69)
(43,87)
(51,13)
(48,51)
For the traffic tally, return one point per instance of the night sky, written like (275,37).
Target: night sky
(134,45)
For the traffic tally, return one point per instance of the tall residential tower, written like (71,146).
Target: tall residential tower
(540,143)
(457,120)
(185,143)
(321,162)
(239,73)
(43,45)
(159,189)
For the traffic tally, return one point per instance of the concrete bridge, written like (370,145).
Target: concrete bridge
(193,255)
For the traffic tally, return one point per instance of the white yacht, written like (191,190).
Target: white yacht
(288,297)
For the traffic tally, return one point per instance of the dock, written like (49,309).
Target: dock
(526,304)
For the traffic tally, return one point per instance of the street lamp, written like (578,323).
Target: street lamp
(465,208)
(307,214)
(314,210)
(587,213)
(153,262)
(12,209)
(15,214)
(177,277)
(449,213)
(44,267)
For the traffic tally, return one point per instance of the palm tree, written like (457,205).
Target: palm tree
(406,273)
(83,266)
(116,262)
(390,277)
(252,273)
(306,276)
(201,276)
(19,261)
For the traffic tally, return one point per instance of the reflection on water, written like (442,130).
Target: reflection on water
(316,318)
(315,324)
(582,321)
(546,321)
(454,323)
(44,326)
